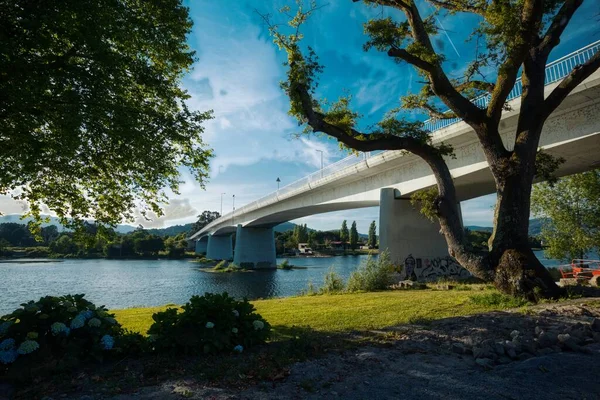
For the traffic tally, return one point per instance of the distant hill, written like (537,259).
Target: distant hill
(535,227)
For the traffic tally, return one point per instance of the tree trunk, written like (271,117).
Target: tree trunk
(518,272)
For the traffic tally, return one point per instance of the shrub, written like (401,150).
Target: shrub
(55,332)
(285,264)
(372,275)
(498,300)
(208,324)
(333,282)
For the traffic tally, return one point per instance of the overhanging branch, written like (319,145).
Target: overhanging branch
(577,75)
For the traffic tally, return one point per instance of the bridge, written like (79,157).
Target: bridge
(388,178)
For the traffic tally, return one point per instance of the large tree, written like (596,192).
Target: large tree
(344,233)
(517,37)
(353,236)
(572,210)
(204,219)
(93,121)
(372,235)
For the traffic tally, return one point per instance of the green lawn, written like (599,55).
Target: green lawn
(345,312)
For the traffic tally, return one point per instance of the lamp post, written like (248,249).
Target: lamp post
(233,211)
(278,182)
(222,203)
(321,151)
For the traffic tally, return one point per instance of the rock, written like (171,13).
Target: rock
(7,391)
(504,360)
(597,337)
(499,349)
(458,348)
(545,351)
(568,342)
(547,339)
(595,325)
(538,330)
(515,334)
(486,363)
(563,337)
(366,355)
(482,352)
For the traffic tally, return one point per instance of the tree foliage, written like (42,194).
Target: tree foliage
(344,233)
(572,210)
(204,219)
(514,38)
(353,236)
(93,121)
(372,241)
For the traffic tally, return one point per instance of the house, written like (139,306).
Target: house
(337,245)
(304,249)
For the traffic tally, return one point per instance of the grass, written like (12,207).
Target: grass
(351,311)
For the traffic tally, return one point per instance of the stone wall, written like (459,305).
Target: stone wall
(431,269)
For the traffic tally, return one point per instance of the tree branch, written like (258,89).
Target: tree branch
(552,37)
(507,76)
(577,75)
(457,6)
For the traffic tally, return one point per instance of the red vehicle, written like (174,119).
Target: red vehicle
(582,270)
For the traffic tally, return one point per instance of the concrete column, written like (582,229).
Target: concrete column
(256,246)
(219,248)
(201,245)
(405,232)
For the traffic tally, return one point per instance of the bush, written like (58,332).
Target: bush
(372,275)
(333,283)
(285,264)
(55,332)
(498,300)
(208,324)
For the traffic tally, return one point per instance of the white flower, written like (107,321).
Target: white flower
(258,325)
(238,348)
(210,325)
(234,330)
(236,313)
(28,346)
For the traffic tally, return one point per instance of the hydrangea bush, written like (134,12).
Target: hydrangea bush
(55,332)
(209,324)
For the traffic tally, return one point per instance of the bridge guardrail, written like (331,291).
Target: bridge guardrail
(555,71)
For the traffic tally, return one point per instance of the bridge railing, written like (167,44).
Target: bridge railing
(555,71)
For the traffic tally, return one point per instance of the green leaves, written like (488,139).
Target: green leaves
(572,212)
(93,121)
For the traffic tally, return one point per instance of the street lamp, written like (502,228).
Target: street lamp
(278,182)
(222,203)
(321,151)
(233,211)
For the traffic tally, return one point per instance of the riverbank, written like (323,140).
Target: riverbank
(409,344)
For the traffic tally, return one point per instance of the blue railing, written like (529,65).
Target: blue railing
(555,71)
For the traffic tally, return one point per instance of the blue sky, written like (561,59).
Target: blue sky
(237,75)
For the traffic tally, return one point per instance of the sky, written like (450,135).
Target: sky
(237,75)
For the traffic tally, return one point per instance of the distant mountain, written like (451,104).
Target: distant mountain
(535,227)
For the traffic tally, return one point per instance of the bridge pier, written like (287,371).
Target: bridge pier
(201,245)
(219,247)
(410,238)
(255,246)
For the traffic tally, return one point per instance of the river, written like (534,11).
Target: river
(131,283)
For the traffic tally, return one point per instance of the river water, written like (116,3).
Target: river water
(130,283)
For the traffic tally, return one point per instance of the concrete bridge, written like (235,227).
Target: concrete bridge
(387,179)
